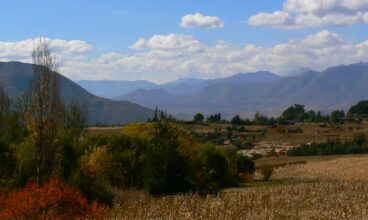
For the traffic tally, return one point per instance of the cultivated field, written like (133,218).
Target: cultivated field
(310,132)
(323,188)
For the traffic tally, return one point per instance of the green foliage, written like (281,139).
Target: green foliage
(209,137)
(245,165)
(244,143)
(236,120)
(357,146)
(294,113)
(359,111)
(7,164)
(215,118)
(96,167)
(165,169)
(198,118)
(337,116)
(260,119)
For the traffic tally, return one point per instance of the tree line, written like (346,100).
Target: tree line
(293,114)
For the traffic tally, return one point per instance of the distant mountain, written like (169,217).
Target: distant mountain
(335,88)
(150,97)
(246,78)
(16,76)
(300,71)
(112,89)
(183,86)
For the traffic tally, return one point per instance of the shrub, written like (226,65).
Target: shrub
(54,200)
(95,171)
(267,172)
(330,148)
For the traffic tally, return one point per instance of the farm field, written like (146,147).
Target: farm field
(323,188)
(310,132)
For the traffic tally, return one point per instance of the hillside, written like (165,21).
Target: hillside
(16,76)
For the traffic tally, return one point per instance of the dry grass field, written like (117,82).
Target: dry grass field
(339,190)
(348,168)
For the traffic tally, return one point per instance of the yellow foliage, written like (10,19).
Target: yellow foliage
(97,163)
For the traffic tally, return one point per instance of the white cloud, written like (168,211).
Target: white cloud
(316,13)
(164,58)
(199,20)
(278,18)
(21,50)
(167,42)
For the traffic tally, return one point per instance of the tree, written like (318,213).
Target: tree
(294,113)
(358,111)
(4,108)
(337,116)
(198,118)
(44,117)
(214,118)
(236,120)
(166,170)
(260,119)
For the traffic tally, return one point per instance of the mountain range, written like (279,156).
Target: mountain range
(16,77)
(184,86)
(334,88)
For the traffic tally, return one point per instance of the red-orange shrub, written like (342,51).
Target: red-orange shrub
(53,200)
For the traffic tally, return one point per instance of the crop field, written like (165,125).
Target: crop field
(309,132)
(327,188)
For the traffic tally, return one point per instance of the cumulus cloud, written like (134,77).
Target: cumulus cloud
(163,58)
(200,20)
(21,50)
(316,13)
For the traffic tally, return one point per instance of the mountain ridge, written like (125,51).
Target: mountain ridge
(16,77)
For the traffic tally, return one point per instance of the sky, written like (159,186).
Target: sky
(165,40)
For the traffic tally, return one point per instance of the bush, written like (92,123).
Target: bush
(93,179)
(245,165)
(7,164)
(267,172)
(357,146)
(54,200)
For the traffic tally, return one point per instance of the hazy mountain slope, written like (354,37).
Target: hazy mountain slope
(192,86)
(16,78)
(150,97)
(112,89)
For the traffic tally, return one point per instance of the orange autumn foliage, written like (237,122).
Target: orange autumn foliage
(53,200)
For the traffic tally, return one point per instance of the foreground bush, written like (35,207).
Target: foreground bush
(53,200)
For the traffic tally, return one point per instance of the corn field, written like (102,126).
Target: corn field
(340,192)
(326,200)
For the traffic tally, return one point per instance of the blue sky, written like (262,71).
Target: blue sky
(113,26)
